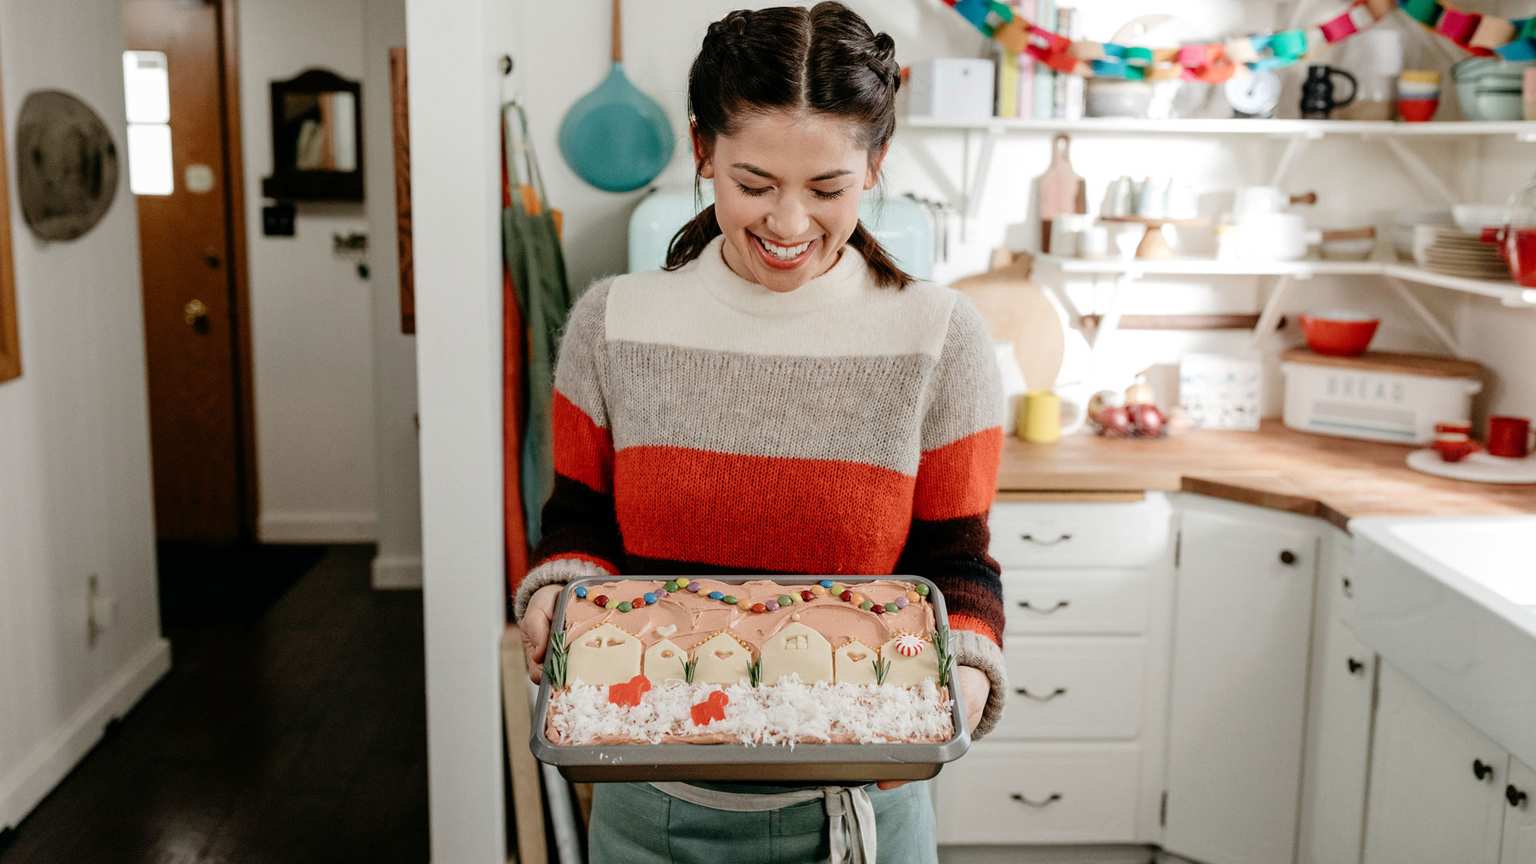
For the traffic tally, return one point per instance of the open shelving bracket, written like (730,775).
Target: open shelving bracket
(1431,323)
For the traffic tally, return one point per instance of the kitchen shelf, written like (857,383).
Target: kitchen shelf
(1296,133)
(1126,271)
(1521,130)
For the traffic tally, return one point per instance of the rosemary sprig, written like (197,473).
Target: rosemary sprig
(689,665)
(944,653)
(755,672)
(555,661)
(882,669)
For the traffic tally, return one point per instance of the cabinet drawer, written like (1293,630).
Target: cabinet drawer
(1022,793)
(1080,534)
(1089,600)
(1072,688)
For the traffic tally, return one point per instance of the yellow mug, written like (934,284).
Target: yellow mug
(1040,420)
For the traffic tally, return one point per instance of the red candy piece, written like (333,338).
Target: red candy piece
(877,609)
(600,600)
(637,602)
(846,596)
(759,608)
(628,694)
(807,596)
(711,709)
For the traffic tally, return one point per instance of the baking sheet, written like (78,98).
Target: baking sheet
(810,763)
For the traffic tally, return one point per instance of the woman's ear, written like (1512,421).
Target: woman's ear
(875,161)
(702,164)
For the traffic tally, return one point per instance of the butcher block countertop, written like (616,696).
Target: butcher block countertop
(1336,479)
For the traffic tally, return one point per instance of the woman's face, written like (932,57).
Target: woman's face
(787,190)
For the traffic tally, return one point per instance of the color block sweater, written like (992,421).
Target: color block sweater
(704,424)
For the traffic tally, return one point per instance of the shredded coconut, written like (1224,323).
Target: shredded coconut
(785,713)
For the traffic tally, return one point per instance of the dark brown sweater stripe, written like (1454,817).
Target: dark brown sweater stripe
(579,519)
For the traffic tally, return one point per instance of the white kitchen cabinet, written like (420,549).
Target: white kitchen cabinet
(1237,708)
(1519,815)
(1339,722)
(1040,793)
(1437,784)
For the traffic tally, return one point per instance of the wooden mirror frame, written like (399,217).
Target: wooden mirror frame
(288,184)
(10,335)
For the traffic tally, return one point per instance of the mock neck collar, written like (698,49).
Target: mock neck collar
(845,279)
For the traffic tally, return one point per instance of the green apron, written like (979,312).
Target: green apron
(531,246)
(636,823)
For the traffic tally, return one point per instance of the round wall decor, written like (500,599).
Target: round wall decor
(66,165)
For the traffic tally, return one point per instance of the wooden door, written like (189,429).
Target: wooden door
(1237,707)
(187,242)
(1437,784)
(1520,817)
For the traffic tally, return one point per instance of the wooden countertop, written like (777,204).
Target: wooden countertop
(1336,479)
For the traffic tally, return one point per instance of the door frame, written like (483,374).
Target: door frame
(239,282)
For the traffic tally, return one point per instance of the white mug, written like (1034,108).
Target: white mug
(1093,242)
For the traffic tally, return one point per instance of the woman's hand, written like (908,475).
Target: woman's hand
(535,628)
(974,687)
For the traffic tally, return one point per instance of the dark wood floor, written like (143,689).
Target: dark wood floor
(291,728)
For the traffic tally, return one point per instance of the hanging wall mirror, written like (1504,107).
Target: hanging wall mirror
(317,139)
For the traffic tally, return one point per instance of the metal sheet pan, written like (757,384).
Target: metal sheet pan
(806,763)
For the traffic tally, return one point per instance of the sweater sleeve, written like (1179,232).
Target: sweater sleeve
(580,530)
(956,482)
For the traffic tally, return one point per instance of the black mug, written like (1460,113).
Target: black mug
(1317,100)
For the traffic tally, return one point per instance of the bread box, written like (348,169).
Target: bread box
(1377,396)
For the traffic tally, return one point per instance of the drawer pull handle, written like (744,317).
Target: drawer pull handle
(1024,691)
(1348,585)
(1060,605)
(1355,666)
(1030,538)
(1481,770)
(1045,802)
(1515,796)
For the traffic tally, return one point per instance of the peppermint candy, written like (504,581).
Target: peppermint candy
(908,645)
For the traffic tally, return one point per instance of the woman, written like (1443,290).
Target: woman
(781,399)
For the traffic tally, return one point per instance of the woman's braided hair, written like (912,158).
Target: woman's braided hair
(825,59)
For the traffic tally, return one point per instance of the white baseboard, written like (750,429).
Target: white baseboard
(397,572)
(53,757)
(317,527)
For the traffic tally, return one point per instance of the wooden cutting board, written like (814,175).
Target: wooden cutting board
(1017,311)
(1059,190)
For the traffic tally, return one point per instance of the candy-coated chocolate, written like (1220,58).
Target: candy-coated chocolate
(601,600)
(877,609)
(729,599)
(825,583)
(901,602)
(716,595)
(624,606)
(892,607)
(649,598)
(818,590)
(637,603)
(913,597)
(786,600)
(921,589)
(846,596)
(865,605)
(581,592)
(807,596)
(670,586)
(772,605)
(693,587)
(759,608)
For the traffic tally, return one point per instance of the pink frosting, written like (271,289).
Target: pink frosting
(697,617)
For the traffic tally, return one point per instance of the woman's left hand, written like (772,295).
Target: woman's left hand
(974,688)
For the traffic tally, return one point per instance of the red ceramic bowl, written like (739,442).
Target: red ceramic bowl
(1417,110)
(1340,334)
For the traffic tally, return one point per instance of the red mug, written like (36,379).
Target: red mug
(1509,437)
(1518,249)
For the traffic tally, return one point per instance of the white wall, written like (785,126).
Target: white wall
(312,316)
(75,493)
(398,469)
(455,205)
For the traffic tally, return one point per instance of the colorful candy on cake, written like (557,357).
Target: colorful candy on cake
(708,662)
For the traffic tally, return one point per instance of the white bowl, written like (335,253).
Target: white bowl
(1473,218)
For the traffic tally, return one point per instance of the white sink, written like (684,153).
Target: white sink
(1452,604)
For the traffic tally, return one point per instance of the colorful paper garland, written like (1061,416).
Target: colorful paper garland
(1213,63)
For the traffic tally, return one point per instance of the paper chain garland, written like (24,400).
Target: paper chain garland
(1215,62)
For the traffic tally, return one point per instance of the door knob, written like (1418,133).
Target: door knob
(1355,666)
(1287,557)
(1481,770)
(194,312)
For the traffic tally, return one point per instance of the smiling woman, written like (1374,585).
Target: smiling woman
(781,399)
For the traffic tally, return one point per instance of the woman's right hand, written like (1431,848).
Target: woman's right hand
(535,625)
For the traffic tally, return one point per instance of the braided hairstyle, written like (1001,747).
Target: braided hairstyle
(824,59)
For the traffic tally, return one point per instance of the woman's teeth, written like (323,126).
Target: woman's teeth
(783,253)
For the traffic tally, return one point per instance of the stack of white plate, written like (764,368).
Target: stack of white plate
(1457,253)
(1405,221)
